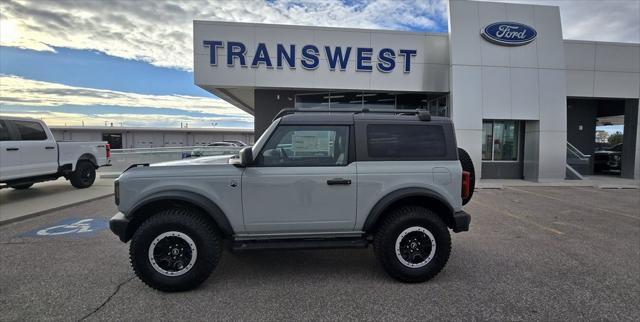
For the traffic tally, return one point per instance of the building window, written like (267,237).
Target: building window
(487,139)
(500,140)
(382,101)
(436,104)
(345,100)
(114,139)
(312,100)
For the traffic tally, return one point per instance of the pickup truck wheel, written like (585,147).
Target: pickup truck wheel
(412,244)
(467,165)
(21,186)
(84,175)
(175,250)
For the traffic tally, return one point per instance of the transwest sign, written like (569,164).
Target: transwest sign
(337,57)
(509,33)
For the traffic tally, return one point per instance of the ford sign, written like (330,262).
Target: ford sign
(509,33)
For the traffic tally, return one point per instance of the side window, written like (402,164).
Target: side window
(305,146)
(30,131)
(405,141)
(4,132)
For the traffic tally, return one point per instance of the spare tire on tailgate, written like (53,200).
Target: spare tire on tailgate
(467,165)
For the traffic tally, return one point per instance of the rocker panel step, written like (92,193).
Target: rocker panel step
(318,243)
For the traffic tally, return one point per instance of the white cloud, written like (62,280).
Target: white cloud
(26,92)
(47,101)
(160,32)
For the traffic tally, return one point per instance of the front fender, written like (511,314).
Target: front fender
(200,201)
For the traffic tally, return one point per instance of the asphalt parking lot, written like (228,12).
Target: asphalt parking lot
(532,253)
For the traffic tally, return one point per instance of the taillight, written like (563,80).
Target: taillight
(466,184)
(108,149)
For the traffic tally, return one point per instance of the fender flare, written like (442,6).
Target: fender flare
(87,157)
(209,207)
(378,210)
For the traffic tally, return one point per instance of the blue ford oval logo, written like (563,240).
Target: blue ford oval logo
(509,33)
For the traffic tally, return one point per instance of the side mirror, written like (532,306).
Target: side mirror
(246,156)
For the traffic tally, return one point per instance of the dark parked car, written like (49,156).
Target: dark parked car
(608,159)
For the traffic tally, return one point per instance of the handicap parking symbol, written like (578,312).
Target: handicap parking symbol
(72,226)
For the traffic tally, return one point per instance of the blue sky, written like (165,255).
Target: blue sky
(90,68)
(131,61)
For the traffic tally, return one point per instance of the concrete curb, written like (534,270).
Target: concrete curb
(110,175)
(42,212)
(555,185)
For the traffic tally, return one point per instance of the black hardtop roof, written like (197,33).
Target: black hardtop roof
(347,116)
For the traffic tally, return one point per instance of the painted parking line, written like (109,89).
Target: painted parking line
(574,204)
(70,227)
(523,219)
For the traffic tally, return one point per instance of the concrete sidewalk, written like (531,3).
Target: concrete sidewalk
(599,182)
(47,196)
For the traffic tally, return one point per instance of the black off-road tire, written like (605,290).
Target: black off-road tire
(467,165)
(384,243)
(84,176)
(21,186)
(190,222)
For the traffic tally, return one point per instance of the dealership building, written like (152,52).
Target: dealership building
(524,101)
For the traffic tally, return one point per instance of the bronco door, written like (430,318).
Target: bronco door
(301,181)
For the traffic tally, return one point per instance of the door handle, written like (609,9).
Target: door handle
(336,181)
(13,149)
(49,147)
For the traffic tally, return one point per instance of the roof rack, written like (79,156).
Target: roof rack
(422,114)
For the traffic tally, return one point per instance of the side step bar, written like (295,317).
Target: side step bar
(326,243)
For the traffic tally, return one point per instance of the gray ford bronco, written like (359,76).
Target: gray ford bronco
(315,179)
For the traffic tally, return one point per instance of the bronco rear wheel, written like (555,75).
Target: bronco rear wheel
(175,250)
(412,244)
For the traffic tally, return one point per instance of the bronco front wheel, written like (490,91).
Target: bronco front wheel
(175,250)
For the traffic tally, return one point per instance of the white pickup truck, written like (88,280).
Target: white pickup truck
(29,153)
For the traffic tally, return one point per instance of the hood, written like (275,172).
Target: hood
(216,159)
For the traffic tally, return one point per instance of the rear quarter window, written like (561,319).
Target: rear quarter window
(30,131)
(406,141)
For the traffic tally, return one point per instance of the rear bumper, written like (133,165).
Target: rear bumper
(461,221)
(118,225)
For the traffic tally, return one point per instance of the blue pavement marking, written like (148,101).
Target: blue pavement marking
(70,227)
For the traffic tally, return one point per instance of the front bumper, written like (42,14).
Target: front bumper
(461,221)
(118,225)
